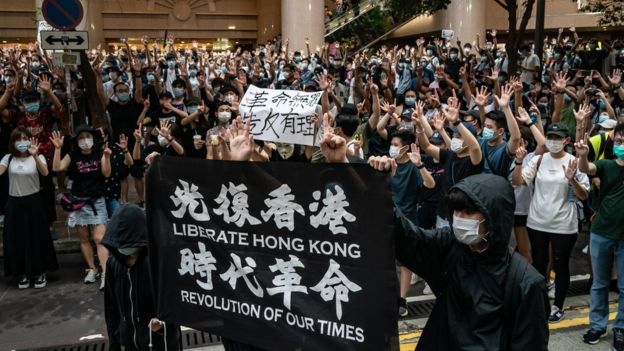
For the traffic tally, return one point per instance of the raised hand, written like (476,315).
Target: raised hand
(521,153)
(506,93)
(333,147)
(323,81)
(482,96)
(123,142)
(523,116)
(583,111)
(44,84)
(57,139)
(494,76)
(33,149)
(165,129)
(582,147)
(107,150)
(241,141)
(383,164)
(414,155)
(561,81)
(616,78)
(570,171)
(452,111)
(388,108)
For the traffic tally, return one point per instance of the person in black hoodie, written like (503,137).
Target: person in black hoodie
(487,299)
(129,304)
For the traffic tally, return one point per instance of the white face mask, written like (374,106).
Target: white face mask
(224,116)
(395,152)
(466,231)
(457,144)
(285,150)
(85,144)
(554,146)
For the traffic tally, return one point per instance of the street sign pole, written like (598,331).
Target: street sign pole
(70,111)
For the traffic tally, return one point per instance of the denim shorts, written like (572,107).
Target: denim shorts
(85,215)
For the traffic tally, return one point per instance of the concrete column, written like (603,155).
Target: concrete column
(93,22)
(303,19)
(466,18)
(269,19)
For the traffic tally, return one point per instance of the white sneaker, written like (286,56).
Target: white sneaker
(551,291)
(585,249)
(90,278)
(427,290)
(415,279)
(102,281)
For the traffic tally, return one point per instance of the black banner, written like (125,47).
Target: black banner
(283,256)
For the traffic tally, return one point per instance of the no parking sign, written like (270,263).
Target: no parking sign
(62,14)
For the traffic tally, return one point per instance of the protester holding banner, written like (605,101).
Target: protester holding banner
(87,164)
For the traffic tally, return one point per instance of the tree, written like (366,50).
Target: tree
(612,11)
(516,32)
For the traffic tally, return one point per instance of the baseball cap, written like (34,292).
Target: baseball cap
(468,126)
(559,129)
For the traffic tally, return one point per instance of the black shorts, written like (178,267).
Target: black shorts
(520,221)
(138,169)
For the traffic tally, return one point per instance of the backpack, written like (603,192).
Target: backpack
(70,203)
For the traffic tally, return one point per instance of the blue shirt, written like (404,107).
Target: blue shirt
(496,159)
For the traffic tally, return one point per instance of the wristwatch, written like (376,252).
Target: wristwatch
(422,165)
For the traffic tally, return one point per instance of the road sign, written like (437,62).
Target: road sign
(62,14)
(76,40)
(62,59)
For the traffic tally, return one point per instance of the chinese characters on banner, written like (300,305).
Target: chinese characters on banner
(280,115)
(274,254)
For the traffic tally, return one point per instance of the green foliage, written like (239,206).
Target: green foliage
(612,11)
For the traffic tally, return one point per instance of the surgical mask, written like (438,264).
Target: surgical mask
(127,251)
(85,144)
(303,66)
(229,98)
(171,64)
(457,144)
(410,101)
(216,90)
(58,91)
(32,107)
(466,230)
(286,75)
(453,56)
(162,141)
(178,92)
(395,152)
(192,109)
(554,146)
(408,126)
(105,78)
(429,52)
(544,105)
(151,78)
(488,134)
(566,98)
(224,116)
(22,145)
(35,64)
(618,150)
(113,75)
(281,66)
(193,72)
(123,97)
(466,51)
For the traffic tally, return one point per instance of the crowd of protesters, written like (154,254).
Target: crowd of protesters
(433,113)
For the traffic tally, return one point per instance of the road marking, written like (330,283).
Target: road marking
(91,337)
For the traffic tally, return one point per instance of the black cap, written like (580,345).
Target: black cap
(30,95)
(559,129)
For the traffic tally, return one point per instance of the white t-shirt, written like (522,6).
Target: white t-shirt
(351,146)
(523,193)
(23,175)
(553,207)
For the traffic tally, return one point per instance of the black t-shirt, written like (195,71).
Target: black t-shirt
(86,173)
(124,119)
(158,116)
(438,171)
(455,169)
(593,60)
(188,144)
(377,146)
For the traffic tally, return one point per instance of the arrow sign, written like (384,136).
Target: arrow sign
(78,40)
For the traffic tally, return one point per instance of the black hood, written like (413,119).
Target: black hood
(127,228)
(495,198)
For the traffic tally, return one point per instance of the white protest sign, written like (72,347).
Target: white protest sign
(447,33)
(283,116)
